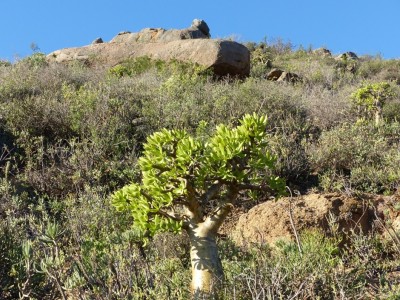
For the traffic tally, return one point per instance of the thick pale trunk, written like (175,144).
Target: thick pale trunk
(207,272)
(378,110)
(378,115)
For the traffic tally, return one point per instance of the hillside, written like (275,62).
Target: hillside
(71,134)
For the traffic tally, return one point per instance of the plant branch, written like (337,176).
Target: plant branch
(211,192)
(193,204)
(168,214)
(292,223)
(217,217)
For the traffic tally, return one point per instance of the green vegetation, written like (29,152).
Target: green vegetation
(193,184)
(371,97)
(71,137)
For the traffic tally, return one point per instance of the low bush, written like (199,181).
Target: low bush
(320,271)
(359,157)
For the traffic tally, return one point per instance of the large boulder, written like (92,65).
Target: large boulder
(192,44)
(222,56)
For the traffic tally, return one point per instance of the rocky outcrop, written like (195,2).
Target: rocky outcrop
(187,45)
(152,35)
(347,62)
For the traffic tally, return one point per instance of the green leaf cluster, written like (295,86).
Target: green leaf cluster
(178,169)
(369,95)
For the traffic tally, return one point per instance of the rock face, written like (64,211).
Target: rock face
(187,45)
(224,57)
(270,221)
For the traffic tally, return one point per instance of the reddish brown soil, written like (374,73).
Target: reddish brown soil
(269,222)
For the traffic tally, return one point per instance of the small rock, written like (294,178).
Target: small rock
(347,56)
(274,74)
(322,52)
(282,76)
(202,26)
(289,77)
(98,41)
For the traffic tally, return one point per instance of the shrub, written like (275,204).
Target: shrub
(36,60)
(284,272)
(360,157)
(370,99)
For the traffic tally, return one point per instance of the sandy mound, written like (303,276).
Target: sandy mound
(270,221)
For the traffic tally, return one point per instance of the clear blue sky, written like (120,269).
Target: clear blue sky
(363,26)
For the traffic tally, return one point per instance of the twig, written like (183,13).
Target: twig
(292,223)
(298,290)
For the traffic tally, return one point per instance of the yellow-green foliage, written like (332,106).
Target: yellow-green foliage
(371,97)
(176,167)
(370,94)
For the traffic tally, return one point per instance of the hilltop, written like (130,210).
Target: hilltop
(71,135)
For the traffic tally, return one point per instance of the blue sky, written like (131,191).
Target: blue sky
(365,27)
